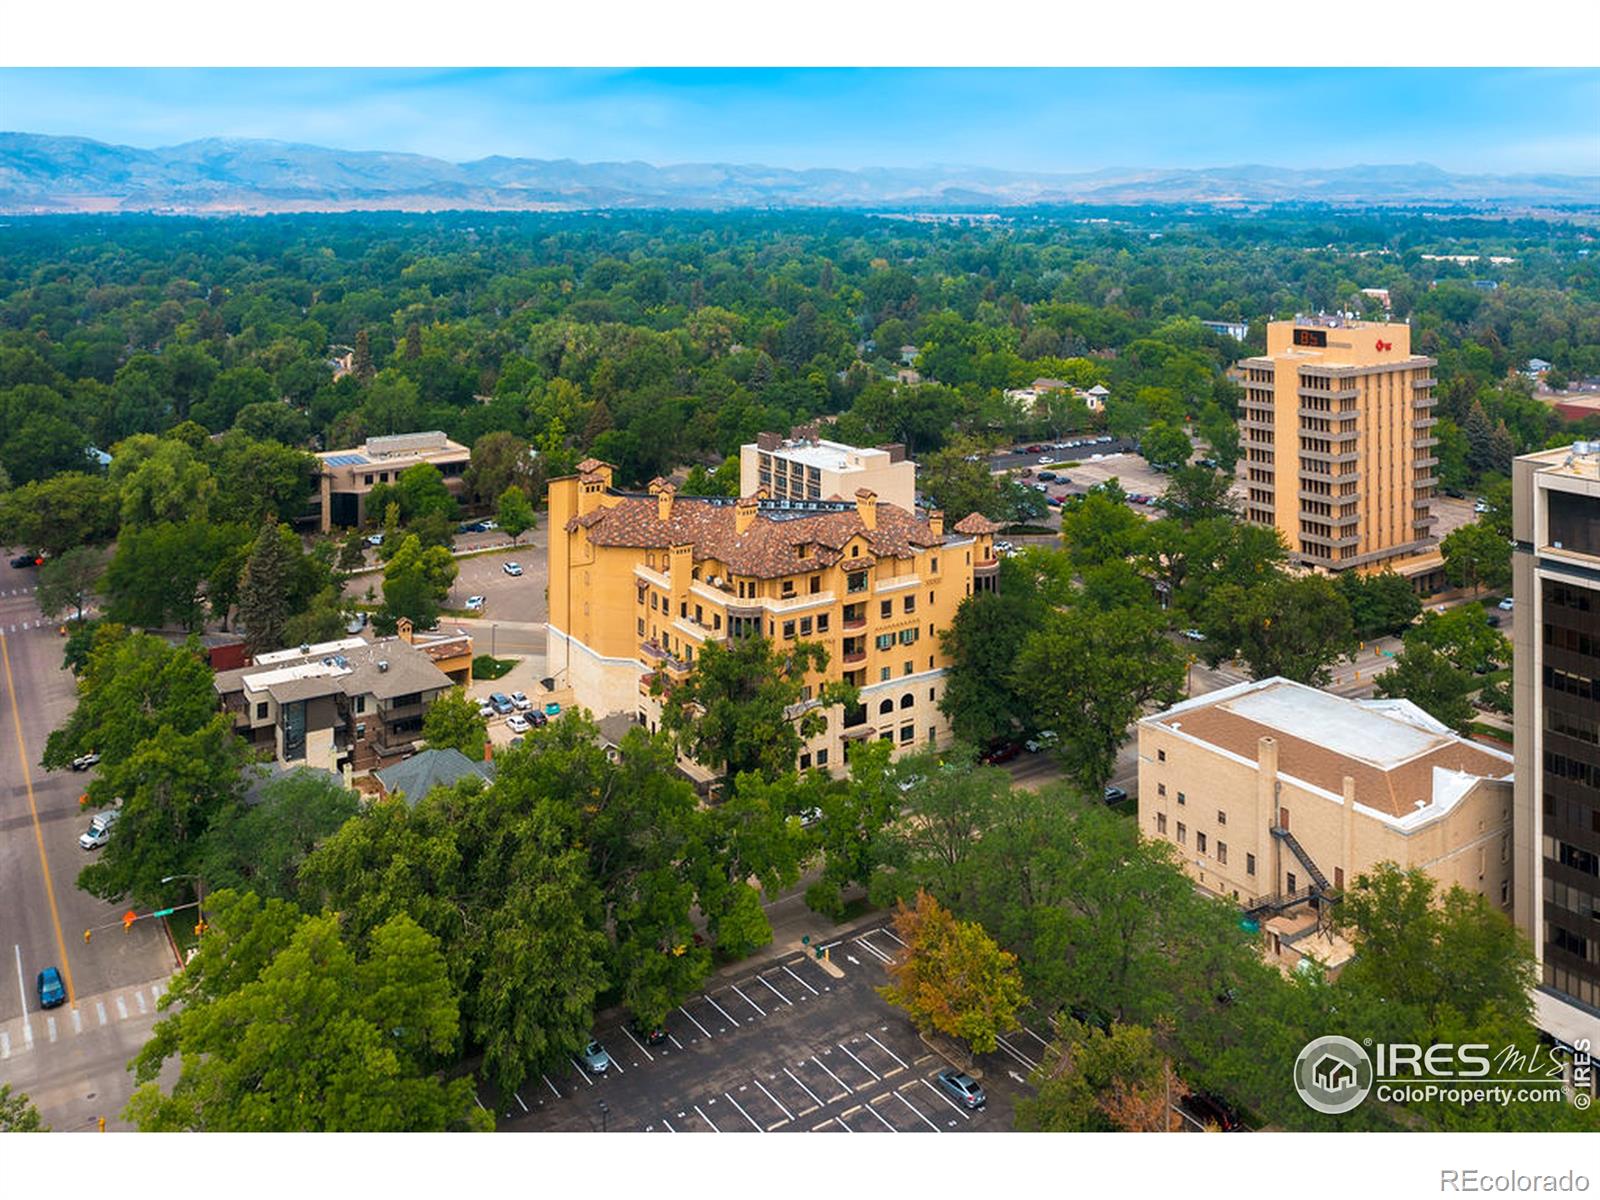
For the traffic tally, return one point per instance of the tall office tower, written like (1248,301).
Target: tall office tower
(1556,696)
(1336,427)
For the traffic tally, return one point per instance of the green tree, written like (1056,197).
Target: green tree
(515,513)
(161,480)
(1090,673)
(735,708)
(1165,447)
(279,1025)
(260,480)
(1221,434)
(259,846)
(453,720)
(1380,604)
(953,978)
(982,698)
(264,589)
(1463,635)
(66,583)
(1100,528)
(1427,678)
(416,581)
(1476,556)
(56,514)
(500,460)
(168,573)
(1294,627)
(724,481)
(17,1113)
(1101,1080)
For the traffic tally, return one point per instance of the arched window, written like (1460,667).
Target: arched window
(886,707)
(907,700)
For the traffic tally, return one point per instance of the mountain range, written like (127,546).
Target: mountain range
(44,174)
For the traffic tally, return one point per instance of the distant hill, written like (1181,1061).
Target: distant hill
(40,174)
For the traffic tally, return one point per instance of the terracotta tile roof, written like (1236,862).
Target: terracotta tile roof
(770,547)
(974,523)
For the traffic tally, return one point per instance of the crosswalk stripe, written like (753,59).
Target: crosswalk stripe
(77,1021)
(139,999)
(50,1024)
(5,1044)
(100,1007)
(122,1009)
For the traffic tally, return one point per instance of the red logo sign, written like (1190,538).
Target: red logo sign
(1383,345)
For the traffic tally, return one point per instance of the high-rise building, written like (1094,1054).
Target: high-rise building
(641,583)
(1556,696)
(806,466)
(1336,433)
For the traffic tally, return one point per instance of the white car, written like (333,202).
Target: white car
(511,568)
(521,702)
(1507,604)
(84,761)
(375,539)
(99,831)
(1042,740)
(475,603)
(1045,458)
(517,723)
(486,711)
(488,526)
(1194,635)
(1481,506)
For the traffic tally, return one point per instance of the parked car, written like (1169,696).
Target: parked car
(961,1087)
(809,817)
(52,993)
(375,539)
(470,527)
(1115,795)
(650,1035)
(356,623)
(1053,499)
(1212,1110)
(909,782)
(511,568)
(488,526)
(1003,753)
(520,702)
(1039,487)
(1480,506)
(537,719)
(84,761)
(1042,740)
(1045,458)
(99,831)
(1047,476)
(517,723)
(1507,604)
(501,702)
(1494,620)
(486,710)
(475,603)
(26,560)
(1194,635)
(552,709)
(595,1059)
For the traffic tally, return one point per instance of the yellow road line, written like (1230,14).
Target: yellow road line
(33,808)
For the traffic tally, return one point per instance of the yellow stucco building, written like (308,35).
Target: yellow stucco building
(1336,433)
(641,582)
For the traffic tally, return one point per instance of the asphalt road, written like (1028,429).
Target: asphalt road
(783,1046)
(64,1058)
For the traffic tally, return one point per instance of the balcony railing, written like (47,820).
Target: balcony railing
(855,656)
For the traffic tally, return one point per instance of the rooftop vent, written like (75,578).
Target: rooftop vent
(305,647)
(383,664)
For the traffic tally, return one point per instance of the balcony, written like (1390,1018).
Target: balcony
(850,623)
(1422,463)
(854,656)
(1324,539)
(663,658)
(1425,481)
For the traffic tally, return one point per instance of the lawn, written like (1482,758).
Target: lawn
(487,667)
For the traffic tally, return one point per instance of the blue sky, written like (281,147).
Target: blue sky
(1072,119)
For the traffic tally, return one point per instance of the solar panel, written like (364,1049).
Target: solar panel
(345,460)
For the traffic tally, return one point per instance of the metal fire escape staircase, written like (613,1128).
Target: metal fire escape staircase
(1318,889)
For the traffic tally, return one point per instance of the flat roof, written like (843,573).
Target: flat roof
(826,455)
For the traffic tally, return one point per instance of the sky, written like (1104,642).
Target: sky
(1072,119)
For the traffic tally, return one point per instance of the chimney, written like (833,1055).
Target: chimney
(867,507)
(1349,820)
(936,522)
(664,496)
(402,629)
(744,512)
(768,441)
(1266,787)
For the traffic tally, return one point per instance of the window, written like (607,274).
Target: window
(1505,891)
(930,599)
(361,704)
(1222,817)
(933,569)
(908,700)
(261,710)
(816,584)
(886,706)
(856,581)
(655,602)
(788,588)
(683,609)
(930,693)
(788,629)
(822,758)
(1199,841)
(933,734)
(911,604)
(640,596)
(1161,756)
(1161,789)
(884,640)
(805,760)
(716,620)
(1222,853)
(822,622)
(805,626)
(885,609)
(640,625)
(883,673)
(1180,797)
(908,636)
(1161,822)
(1249,864)
(855,551)
(907,668)
(699,615)
(907,732)
(1183,834)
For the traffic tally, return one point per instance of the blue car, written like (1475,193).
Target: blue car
(52,993)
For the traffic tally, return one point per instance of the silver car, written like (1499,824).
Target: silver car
(594,1058)
(99,831)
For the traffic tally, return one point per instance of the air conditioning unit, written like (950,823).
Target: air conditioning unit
(383,664)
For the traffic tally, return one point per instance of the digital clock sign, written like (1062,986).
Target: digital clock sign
(1311,337)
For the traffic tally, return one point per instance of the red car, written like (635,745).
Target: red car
(1003,754)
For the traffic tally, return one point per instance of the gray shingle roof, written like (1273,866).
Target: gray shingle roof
(421,773)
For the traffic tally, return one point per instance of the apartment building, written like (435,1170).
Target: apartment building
(806,466)
(1556,698)
(1278,795)
(344,477)
(1336,434)
(640,583)
(350,703)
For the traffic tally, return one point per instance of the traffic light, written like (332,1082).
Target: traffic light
(128,918)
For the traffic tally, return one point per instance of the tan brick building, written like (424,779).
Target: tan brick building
(1336,434)
(640,583)
(344,477)
(1278,795)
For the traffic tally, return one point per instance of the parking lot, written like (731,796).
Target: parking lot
(506,598)
(783,1047)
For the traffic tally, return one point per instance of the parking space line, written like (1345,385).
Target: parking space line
(725,1014)
(518,1095)
(803,1087)
(100,1007)
(77,1021)
(617,1065)
(707,1119)
(27,1033)
(1015,1053)
(920,1116)
(5,1044)
(743,1114)
(801,982)
(478,1102)
(848,1090)
(550,1085)
(639,1044)
(773,1098)
(775,991)
(1036,1037)
(881,1121)
(886,1050)
(138,998)
(874,951)
(668,1124)
(858,1062)
(965,1115)
(748,1001)
(674,1041)
(582,1074)
(843,1126)
(692,1021)
(888,933)
(122,1009)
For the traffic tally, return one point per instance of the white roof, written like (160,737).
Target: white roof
(1335,723)
(342,646)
